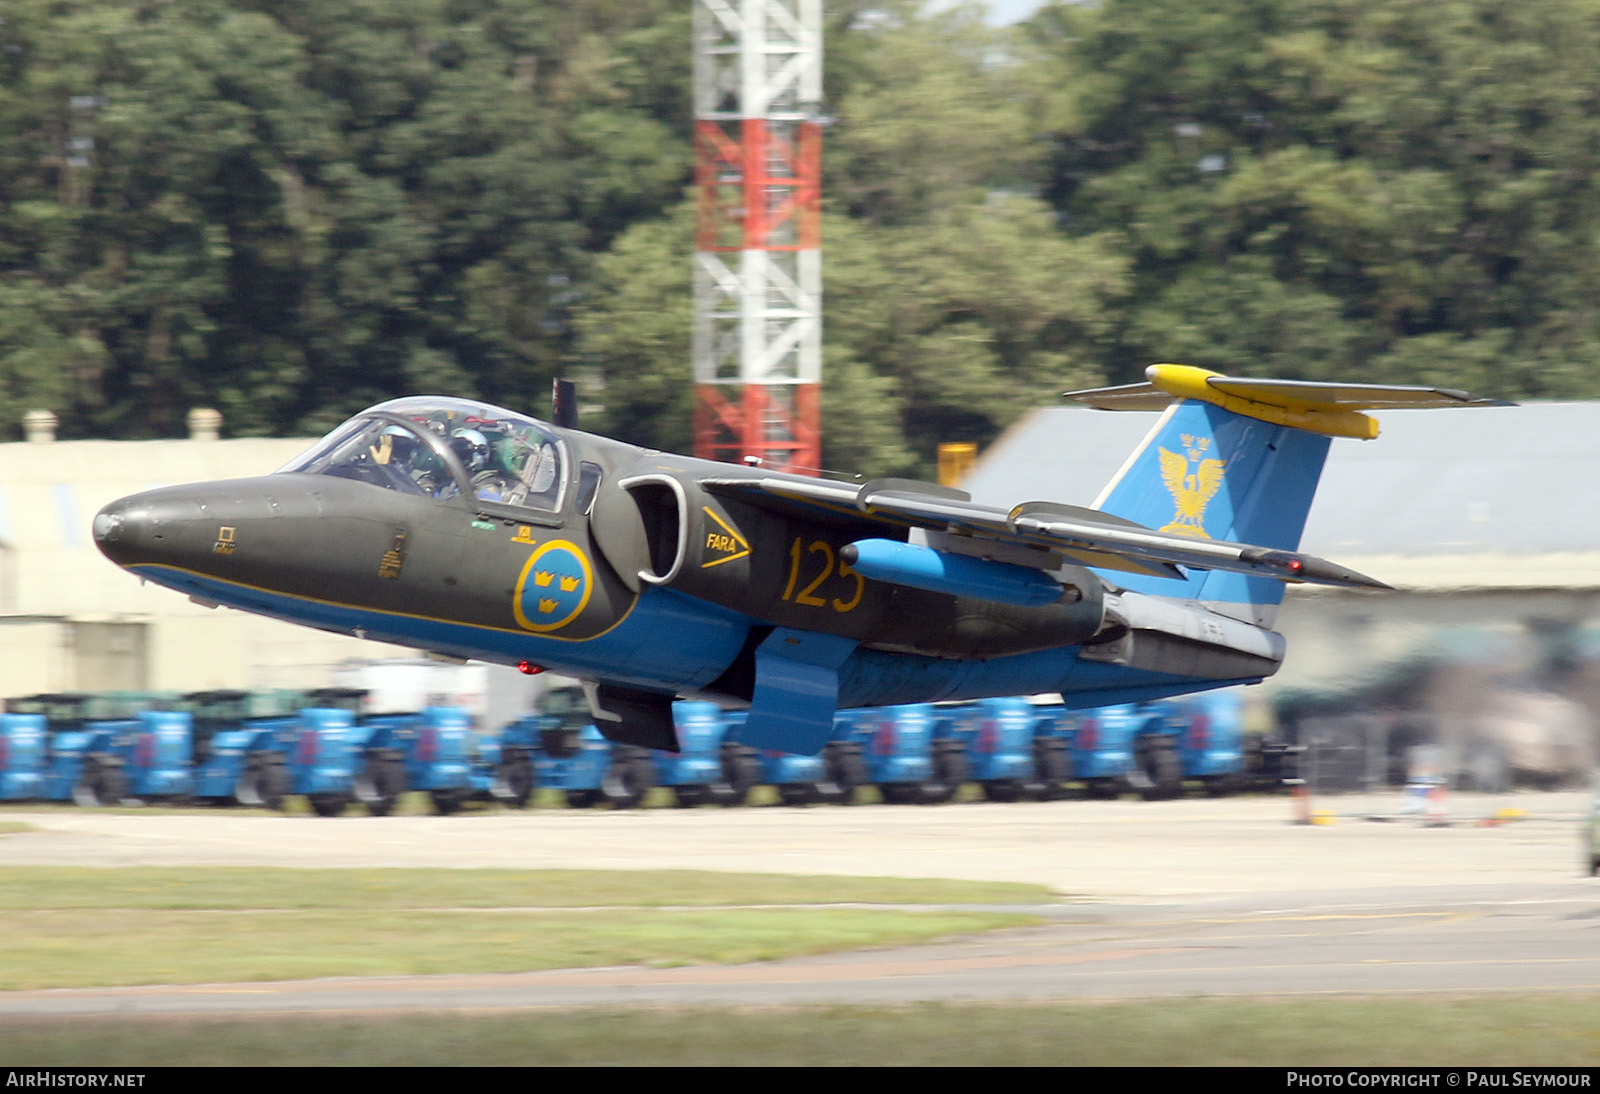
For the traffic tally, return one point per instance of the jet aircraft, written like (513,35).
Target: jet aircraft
(472,531)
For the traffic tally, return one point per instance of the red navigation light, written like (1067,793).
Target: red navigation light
(528,668)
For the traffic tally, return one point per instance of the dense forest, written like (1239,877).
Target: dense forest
(289,209)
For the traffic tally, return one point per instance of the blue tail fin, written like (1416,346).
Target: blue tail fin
(1210,473)
(1238,459)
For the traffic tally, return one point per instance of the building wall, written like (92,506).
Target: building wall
(70,620)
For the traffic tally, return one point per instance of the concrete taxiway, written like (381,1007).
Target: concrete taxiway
(1184,898)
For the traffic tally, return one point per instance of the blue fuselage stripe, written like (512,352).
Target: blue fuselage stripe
(674,642)
(651,647)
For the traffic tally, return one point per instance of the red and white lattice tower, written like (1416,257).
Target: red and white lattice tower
(758,258)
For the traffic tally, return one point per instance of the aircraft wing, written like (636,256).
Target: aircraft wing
(1058,533)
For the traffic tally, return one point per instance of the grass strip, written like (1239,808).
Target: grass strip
(218,887)
(85,949)
(104,927)
(1416,1031)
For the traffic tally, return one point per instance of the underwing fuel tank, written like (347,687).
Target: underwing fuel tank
(958,575)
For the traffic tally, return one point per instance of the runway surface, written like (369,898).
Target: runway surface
(1185,898)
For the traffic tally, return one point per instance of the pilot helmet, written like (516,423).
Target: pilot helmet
(471,448)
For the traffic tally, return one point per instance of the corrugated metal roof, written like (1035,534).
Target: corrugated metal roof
(1509,487)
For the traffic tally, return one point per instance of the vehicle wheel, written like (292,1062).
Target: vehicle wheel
(845,769)
(897,793)
(1002,790)
(448,802)
(272,786)
(101,783)
(246,791)
(1162,773)
(628,781)
(797,793)
(691,795)
(1050,769)
(85,792)
(263,784)
(514,781)
(1103,789)
(741,773)
(380,784)
(583,799)
(950,772)
(1219,786)
(328,805)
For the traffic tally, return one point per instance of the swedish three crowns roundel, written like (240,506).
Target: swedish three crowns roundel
(554,586)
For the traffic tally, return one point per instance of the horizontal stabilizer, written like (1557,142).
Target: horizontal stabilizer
(1328,408)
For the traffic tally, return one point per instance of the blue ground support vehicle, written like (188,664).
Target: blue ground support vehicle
(563,749)
(572,760)
(434,750)
(1157,743)
(24,757)
(1133,746)
(799,780)
(708,766)
(105,748)
(256,749)
(1053,727)
(82,767)
(158,760)
(899,753)
(323,762)
(505,764)
(1211,739)
(995,738)
(1101,751)
(242,742)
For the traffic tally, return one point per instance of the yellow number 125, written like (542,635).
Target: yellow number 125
(808,595)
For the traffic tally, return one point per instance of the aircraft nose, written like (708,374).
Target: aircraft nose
(120,527)
(108,526)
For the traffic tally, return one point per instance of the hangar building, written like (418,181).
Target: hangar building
(1484,520)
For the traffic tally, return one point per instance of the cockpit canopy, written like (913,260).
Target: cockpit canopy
(445,448)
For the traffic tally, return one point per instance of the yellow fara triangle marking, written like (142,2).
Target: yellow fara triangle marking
(735,536)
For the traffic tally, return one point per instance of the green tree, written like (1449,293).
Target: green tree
(289,208)
(1385,190)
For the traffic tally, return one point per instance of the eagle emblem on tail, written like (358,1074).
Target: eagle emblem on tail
(1192,480)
